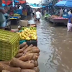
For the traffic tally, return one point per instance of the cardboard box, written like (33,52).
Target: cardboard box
(23,22)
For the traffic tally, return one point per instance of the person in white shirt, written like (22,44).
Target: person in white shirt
(61,12)
(20,7)
(69,13)
(38,15)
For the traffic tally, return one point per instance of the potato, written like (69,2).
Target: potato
(18,63)
(19,55)
(11,69)
(15,69)
(5,62)
(26,57)
(31,61)
(20,50)
(34,50)
(36,69)
(35,63)
(25,47)
(27,70)
(28,48)
(5,71)
(22,45)
(35,57)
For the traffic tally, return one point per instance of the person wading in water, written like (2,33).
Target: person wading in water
(69,25)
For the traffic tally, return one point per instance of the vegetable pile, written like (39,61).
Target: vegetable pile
(28,33)
(26,60)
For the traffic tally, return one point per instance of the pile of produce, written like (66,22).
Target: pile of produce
(56,17)
(47,16)
(26,60)
(28,33)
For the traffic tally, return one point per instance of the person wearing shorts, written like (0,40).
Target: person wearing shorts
(69,25)
(38,15)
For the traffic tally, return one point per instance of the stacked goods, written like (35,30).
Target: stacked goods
(28,33)
(56,17)
(26,60)
(47,15)
(9,44)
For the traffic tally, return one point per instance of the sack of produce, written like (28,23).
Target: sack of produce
(11,69)
(35,63)
(18,63)
(27,70)
(26,57)
(36,69)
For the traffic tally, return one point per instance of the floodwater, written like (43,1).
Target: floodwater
(55,44)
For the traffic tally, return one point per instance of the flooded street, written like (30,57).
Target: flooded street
(55,44)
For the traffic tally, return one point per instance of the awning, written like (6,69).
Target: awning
(8,2)
(67,3)
(22,2)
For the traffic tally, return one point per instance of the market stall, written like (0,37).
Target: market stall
(58,19)
(28,34)
(15,19)
(15,57)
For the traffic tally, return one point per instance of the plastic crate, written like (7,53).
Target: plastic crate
(34,42)
(9,44)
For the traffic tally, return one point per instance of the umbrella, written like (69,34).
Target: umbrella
(61,3)
(3,4)
(67,3)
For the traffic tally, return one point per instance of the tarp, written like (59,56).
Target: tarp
(61,3)
(35,6)
(3,4)
(67,3)
(8,2)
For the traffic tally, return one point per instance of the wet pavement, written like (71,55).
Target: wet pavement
(55,44)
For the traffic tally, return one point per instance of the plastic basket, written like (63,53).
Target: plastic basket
(9,44)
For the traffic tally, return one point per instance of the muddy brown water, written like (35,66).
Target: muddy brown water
(55,44)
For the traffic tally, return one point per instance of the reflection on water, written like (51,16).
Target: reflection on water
(55,44)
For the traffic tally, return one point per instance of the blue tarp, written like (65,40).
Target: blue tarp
(3,4)
(61,3)
(35,5)
(16,1)
(67,3)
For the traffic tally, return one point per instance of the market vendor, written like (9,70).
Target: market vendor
(2,17)
(65,14)
(69,25)
(61,12)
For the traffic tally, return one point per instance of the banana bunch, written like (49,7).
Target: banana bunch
(28,34)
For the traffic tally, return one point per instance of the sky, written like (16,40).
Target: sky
(33,1)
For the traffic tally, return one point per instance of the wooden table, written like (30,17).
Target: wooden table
(63,20)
